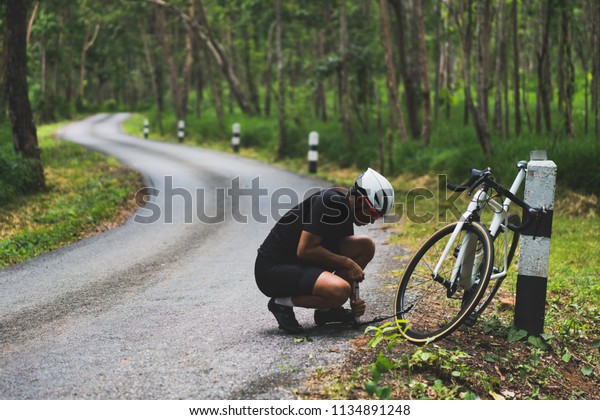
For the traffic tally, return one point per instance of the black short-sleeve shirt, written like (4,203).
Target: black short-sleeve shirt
(325,214)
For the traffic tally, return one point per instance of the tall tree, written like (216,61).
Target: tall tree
(154,68)
(566,70)
(544,77)
(596,67)
(172,64)
(516,68)
(282,145)
(268,73)
(395,109)
(499,67)
(345,99)
(422,54)
(24,131)
(411,96)
(466,36)
(90,38)
(203,31)
(483,57)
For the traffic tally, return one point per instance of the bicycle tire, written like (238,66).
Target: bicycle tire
(498,265)
(423,303)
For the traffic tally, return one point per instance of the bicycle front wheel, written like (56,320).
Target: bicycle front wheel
(433,306)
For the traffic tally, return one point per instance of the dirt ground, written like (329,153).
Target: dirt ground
(490,367)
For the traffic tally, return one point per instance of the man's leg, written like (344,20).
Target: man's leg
(331,290)
(359,248)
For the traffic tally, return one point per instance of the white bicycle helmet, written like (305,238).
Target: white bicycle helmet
(377,189)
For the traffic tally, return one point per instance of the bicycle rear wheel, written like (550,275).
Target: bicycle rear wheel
(512,239)
(431,307)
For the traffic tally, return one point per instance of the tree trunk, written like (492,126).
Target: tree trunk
(3,61)
(197,78)
(410,88)
(449,80)
(516,68)
(543,71)
(320,96)
(24,132)
(269,69)
(499,70)
(440,50)
(596,68)
(154,73)
(213,84)
(395,109)
(466,42)
(171,63)
(282,146)
(566,68)
(483,57)
(87,44)
(254,97)
(345,100)
(426,128)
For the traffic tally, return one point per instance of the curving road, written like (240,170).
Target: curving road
(165,306)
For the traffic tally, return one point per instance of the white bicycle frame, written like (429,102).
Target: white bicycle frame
(466,257)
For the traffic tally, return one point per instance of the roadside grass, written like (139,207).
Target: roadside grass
(491,360)
(87,192)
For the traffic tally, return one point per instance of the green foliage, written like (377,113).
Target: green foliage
(381,365)
(515,334)
(110,105)
(17,175)
(85,189)
(390,332)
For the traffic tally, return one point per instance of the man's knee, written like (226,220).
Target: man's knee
(358,247)
(368,247)
(335,290)
(364,247)
(340,293)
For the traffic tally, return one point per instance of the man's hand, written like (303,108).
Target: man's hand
(358,307)
(352,273)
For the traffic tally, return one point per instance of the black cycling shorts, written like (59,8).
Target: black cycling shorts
(285,279)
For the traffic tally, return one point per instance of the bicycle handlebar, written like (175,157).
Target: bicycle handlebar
(484,176)
(476,175)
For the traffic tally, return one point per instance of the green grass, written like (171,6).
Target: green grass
(86,192)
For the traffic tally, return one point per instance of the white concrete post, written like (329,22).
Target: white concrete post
(181,131)
(313,151)
(532,278)
(235,139)
(146,128)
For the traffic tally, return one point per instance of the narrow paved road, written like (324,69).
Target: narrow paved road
(161,309)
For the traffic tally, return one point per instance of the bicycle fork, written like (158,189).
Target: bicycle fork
(466,266)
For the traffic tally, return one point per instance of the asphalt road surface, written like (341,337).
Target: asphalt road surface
(165,306)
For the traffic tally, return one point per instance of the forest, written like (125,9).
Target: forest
(396,84)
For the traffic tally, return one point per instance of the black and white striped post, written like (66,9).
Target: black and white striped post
(313,151)
(235,139)
(532,279)
(146,128)
(181,130)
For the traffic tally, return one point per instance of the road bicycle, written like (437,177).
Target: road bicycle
(446,282)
